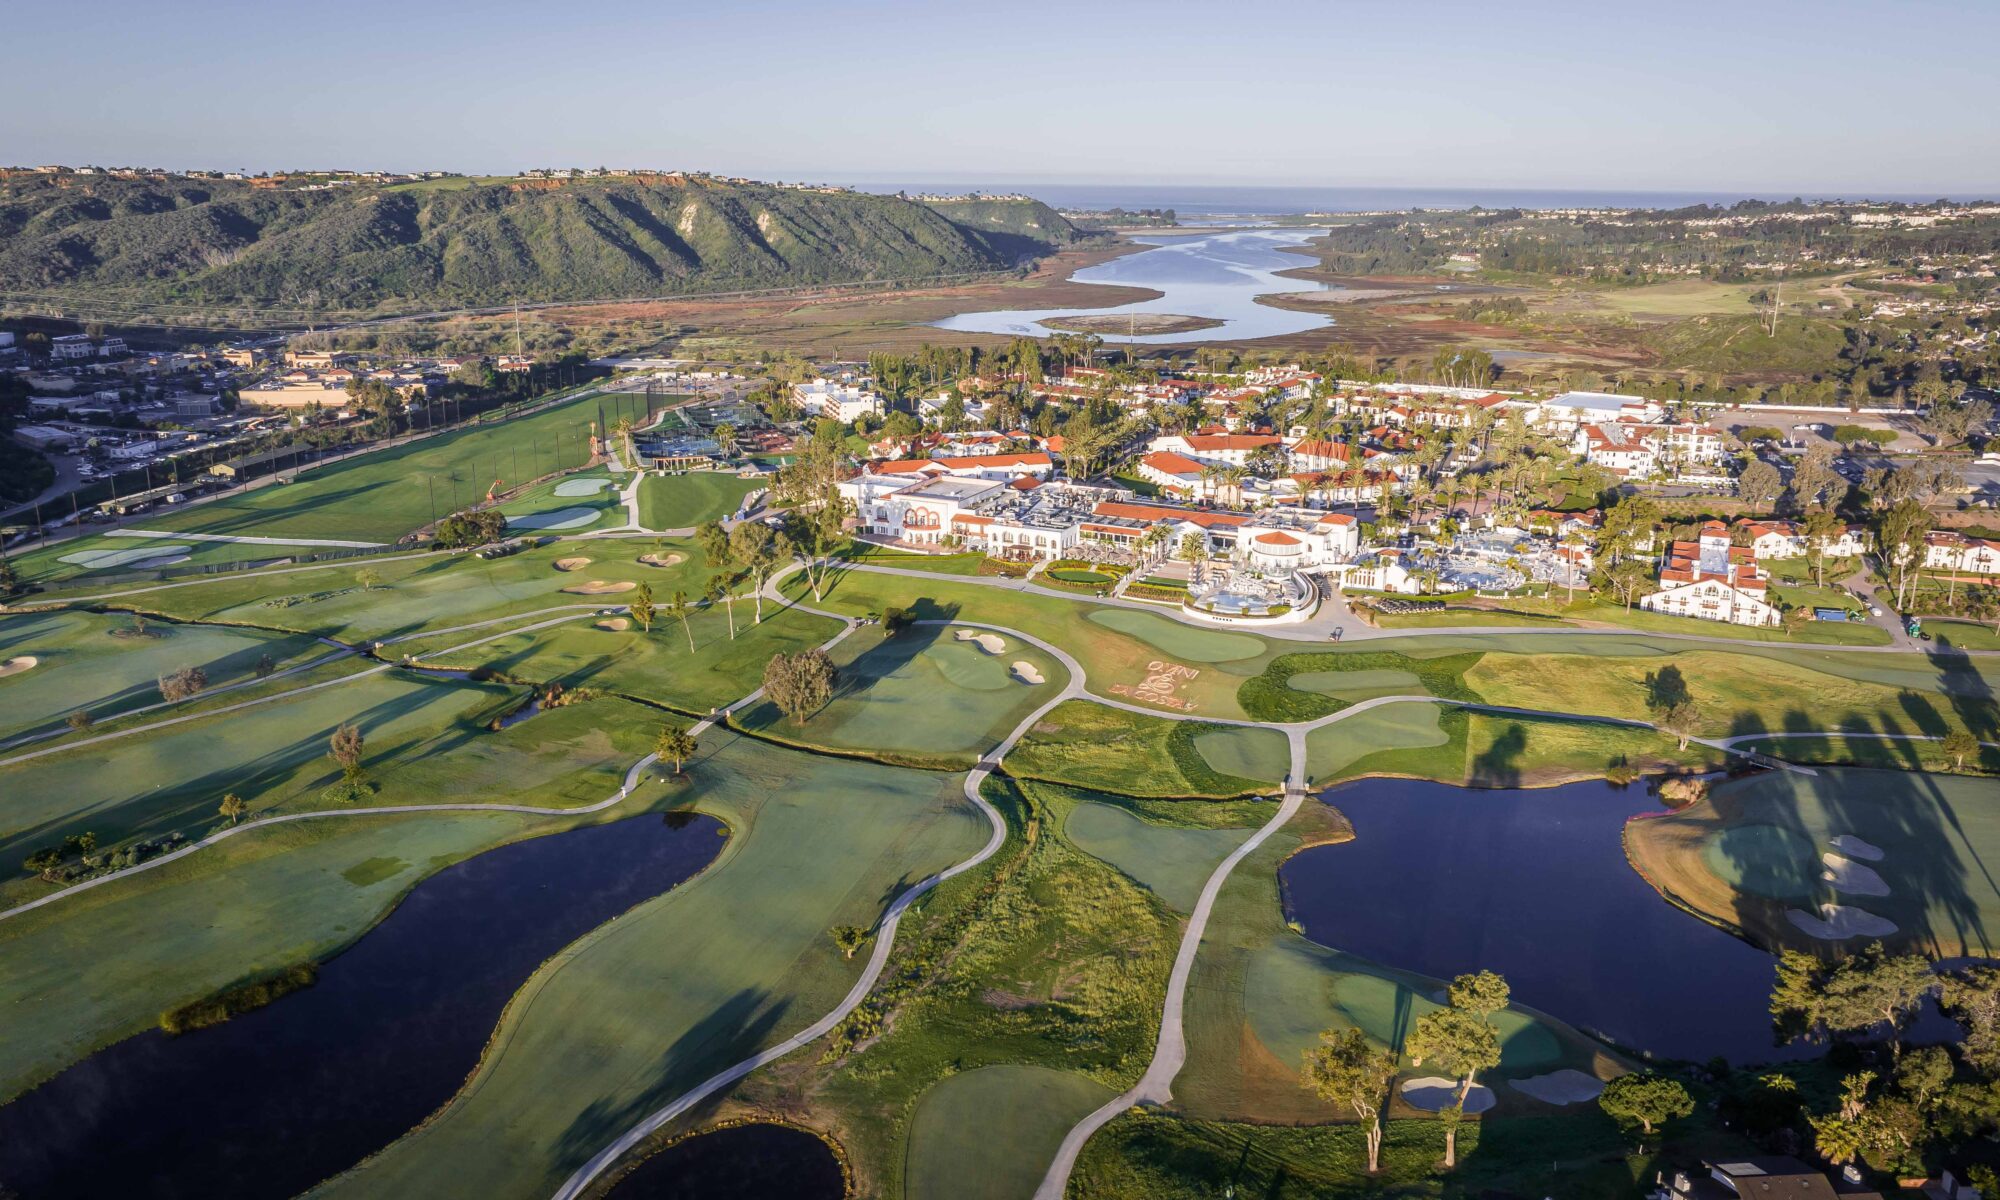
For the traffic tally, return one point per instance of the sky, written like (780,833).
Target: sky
(1762,96)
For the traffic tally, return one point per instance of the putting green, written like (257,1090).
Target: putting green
(1073,575)
(1293,990)
(991,1132)
(573,502)
(83,667)
(1171,863)
(1252,753)
(684,501)
(1331,749)
(149,554)
(921,692)
(561,518)
(1358,685)
(1174,638)
(1769,860)
(643,1008)
(1939,834)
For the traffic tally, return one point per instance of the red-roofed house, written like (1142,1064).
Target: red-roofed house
(1222,449)
(976,466)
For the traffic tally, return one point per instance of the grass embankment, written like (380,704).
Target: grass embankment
(655,666)
(75,562)
(1553,613)
(922,697)
(103,964)
(382,496)
(685,501)
(1091,745)
(432,592)
(1025,997)
(643,1008)
(243,998)
(273,755)
(1147,1155)
(85,665)
(1751,852)
(909,560)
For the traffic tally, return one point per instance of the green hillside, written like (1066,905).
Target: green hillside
(1015,228)
(369,248)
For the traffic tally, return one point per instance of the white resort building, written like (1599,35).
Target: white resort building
(1712,580)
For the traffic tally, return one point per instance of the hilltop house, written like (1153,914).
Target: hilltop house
(1714,581)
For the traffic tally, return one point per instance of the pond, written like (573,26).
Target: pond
(1216,276)
(742,1162)
(279,1099)
(1534,884)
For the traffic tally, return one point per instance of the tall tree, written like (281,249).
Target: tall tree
(675,744)
(1461,1043)
(800,684)
(641,607)
(1645,1099)
(1346,1068)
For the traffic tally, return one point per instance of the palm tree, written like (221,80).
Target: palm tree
(725,439)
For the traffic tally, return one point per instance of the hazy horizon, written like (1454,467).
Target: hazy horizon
(1780,99)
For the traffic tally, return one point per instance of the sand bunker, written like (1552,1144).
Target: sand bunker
(1835,922)
(582,487)
(989,642)
(663,560)
(599,587)
(1851,877)
(1560,1087)
(18,664)
(1434,1094)
(1854,847)
(572,564)
(1026,672)
(615,625)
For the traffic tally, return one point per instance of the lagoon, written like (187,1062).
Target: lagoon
(278,1099)
(1534,884)
(1213,275)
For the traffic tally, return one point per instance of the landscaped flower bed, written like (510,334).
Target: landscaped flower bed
(1079,575)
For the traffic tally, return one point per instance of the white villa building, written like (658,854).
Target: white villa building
(841,402)
(1776,539)
(1946,550)
(1627,447)
(1714,581)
